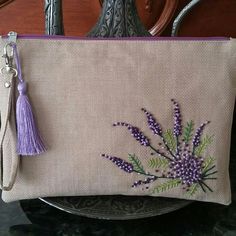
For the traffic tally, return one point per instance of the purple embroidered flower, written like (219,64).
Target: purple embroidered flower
(122,164)
(177,119)
(177,157)
(153,125)
(197,136)
(188,169)
(136,133)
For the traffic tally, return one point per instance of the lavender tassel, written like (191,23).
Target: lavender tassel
(29,141)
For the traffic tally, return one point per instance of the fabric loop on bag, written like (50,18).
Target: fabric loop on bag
(6,111)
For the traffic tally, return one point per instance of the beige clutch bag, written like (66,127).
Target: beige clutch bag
(139,116)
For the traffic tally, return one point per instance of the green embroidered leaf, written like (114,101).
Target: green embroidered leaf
(208,162)
(166,186)
(188,131)
(170,139)
(158,163)
(136,163)
(193,189)
(205,142)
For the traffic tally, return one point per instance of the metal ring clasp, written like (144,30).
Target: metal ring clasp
(8,54)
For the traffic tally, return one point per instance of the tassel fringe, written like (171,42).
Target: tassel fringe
(29,140)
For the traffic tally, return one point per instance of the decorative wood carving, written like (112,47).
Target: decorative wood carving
(181,16)
(164,19)
(119,18)
(53,17)
(54,22)
(27,17)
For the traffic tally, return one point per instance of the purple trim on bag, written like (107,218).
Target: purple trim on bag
(61,37)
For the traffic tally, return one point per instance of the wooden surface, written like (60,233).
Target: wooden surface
(209,18)
(23,16)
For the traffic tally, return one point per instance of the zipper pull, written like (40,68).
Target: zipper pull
(12,36)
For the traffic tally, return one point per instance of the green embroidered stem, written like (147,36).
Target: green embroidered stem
(193,189)
(210,178)
(202,187)
(169,142)
(208,162)
(206,186)
(151,175)
(205,172)
(210,174)
(161,154)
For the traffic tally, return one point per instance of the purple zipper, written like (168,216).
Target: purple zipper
(61,37)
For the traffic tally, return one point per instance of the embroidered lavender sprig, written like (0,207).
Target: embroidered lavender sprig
(148,180)
(122,164)
(184,166)
(135,132)
(197,136)
(177,125)
(177,119)
(140,137)
(152,123)
(157,130)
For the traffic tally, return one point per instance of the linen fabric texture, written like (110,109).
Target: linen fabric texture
(80,88)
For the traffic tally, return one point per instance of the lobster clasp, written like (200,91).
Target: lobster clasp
(8,54)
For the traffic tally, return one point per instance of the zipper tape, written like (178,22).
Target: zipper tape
(61,37)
